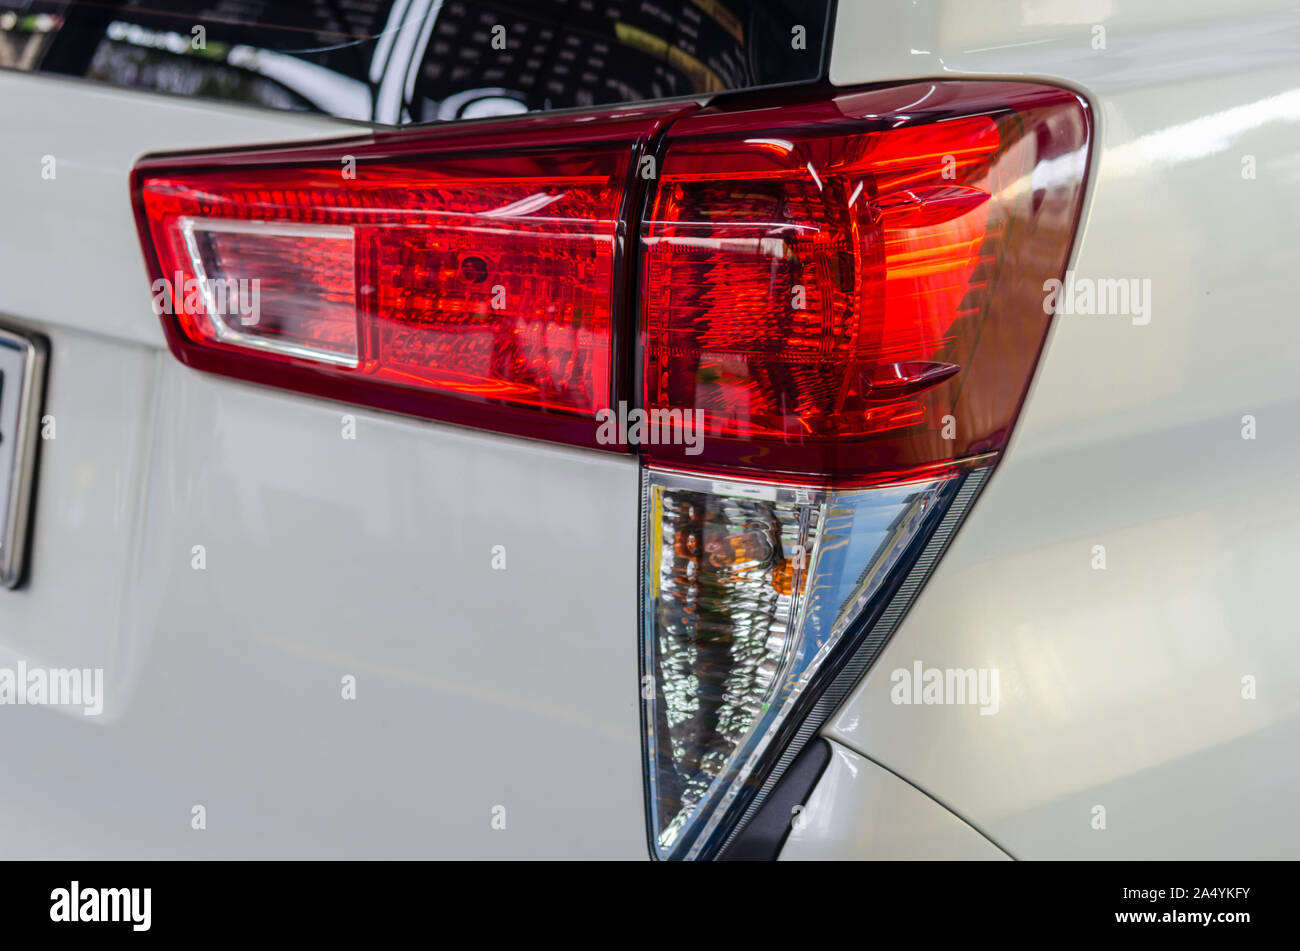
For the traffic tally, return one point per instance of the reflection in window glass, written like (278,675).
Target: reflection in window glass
(399,61)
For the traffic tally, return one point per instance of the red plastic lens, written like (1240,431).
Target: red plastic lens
(840,290)
(469,277)
(855,286)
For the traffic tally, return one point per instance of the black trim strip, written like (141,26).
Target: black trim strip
(762,838)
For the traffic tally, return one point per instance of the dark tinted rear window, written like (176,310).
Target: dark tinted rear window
(400,61)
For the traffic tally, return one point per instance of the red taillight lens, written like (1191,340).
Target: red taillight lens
(468,278)
(855,287)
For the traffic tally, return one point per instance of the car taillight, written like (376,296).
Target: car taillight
(845,299)
(825,313)
(471,277)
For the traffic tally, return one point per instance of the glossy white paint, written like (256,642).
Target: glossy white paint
(1122,687)
(860,811)
(325,557)
(1146,42)
(477,689)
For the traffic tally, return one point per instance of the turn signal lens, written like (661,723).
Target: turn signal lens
(751,592)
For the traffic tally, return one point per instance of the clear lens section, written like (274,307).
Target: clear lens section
(750,588)
(284,289)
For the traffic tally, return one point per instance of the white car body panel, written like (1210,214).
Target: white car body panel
(901,824)
(325,557)
(1122,687)
(481,689)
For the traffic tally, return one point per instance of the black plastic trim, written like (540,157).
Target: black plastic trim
(761,840)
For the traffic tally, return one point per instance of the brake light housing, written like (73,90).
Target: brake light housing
(841,297)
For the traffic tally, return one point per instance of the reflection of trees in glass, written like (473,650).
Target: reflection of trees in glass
(24,38)
(140,67)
